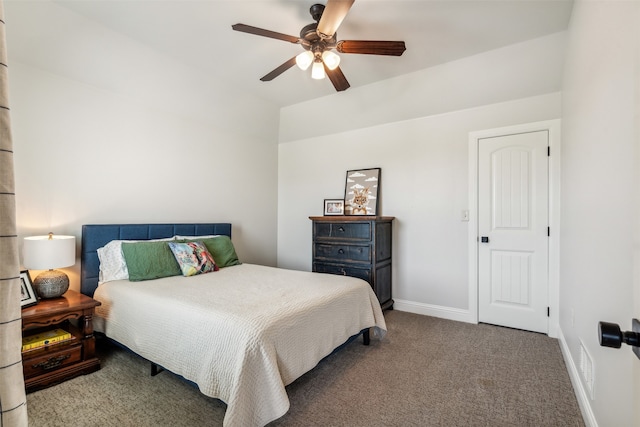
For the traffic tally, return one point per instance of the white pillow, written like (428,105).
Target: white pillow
(195,237)
(112,263)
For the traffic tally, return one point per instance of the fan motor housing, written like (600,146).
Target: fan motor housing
(313,42)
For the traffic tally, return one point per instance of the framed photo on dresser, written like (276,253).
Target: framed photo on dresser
(361,192)
(333,206)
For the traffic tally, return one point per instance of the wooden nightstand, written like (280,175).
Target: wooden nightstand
(59,362)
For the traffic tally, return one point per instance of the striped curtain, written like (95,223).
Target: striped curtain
(13,405)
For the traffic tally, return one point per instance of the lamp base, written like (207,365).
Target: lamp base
(51,284)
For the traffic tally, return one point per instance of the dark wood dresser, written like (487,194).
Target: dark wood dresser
(357,246)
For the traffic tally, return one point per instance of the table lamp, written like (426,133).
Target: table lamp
(47,253)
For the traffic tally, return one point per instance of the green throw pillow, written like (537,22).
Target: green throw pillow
(222,250)
(149,260)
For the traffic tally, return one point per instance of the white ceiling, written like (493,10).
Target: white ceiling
(198,33)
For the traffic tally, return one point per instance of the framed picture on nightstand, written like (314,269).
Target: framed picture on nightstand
(29,297)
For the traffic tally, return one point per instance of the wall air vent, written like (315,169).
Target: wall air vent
(586,369)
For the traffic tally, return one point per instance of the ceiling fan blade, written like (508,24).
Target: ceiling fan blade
(334,13)
(281,69)
(337,78)
(265,33)
(371,47)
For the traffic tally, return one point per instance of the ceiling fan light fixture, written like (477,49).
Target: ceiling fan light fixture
(331,60)
(320,37)
(304,60)
(317,71)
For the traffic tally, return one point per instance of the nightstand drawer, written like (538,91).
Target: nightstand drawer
(361,273)
(343,230)
(343,252)
(51,359)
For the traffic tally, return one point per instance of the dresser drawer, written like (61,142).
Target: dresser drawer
(343,230)
(343,252)
(361,273)
(51,359)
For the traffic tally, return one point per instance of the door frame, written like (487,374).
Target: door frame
(554,129)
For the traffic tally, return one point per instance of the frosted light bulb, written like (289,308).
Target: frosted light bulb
(304,60)
(317,71)
(331,60)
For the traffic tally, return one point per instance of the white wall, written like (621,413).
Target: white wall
(146,140)
(517,71)
(424,161)
(600,240)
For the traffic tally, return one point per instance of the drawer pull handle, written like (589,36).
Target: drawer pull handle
(344,273)
(341,229)
(52,362)
(340,251)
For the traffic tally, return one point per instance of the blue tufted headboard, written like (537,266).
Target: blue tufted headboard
(95,236)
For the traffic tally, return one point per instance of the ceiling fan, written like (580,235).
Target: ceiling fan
(319,39)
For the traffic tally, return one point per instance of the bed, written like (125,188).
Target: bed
(240,333)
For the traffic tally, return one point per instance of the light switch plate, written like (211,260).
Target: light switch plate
(635,327)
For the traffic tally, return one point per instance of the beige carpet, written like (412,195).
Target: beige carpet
(426,372)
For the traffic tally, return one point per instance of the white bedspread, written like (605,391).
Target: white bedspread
(242,333)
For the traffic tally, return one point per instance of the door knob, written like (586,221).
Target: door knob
(610,335)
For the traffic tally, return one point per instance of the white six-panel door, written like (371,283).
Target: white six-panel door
(513,211)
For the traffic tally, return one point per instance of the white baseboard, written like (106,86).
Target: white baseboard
(458,314)
(578,387)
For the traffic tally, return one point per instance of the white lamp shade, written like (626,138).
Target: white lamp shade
(331,60)
(304,59)
(317,71)
(45,253)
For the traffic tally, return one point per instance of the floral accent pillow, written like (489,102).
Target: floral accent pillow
(193,258)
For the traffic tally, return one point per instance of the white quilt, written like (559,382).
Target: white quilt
(241,333)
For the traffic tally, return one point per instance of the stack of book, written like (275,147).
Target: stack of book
(54,336)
